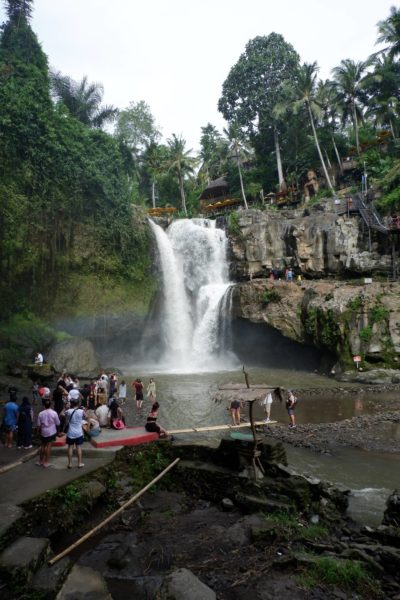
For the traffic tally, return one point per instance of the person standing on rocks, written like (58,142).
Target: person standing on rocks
(235,411)
(138,386)
(47,423)
(122,392)
(290,406)
(151,391)
(266,402)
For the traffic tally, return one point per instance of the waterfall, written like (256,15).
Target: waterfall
(196,296)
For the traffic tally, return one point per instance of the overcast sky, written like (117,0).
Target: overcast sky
(175,54)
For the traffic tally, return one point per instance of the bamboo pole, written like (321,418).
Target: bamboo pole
(219,427)
(110,517)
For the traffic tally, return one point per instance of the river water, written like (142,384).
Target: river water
(187,400)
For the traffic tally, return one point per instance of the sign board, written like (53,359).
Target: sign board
(357,358)
(367,279)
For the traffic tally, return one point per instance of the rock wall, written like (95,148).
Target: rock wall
(316,241)
(343,319)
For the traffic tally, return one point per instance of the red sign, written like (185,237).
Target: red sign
(357,358)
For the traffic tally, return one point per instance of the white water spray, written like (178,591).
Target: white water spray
(195,283)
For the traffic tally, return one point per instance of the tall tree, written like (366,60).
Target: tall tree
(83,100)
(213,152)
(238,151)
(181,163)
(302,93)
(136,127)
(389,33)
(350,81)
(17,8)
(253,88)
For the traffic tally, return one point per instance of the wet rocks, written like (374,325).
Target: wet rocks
(84,583)
(392,512)
(22,557)
(183,584)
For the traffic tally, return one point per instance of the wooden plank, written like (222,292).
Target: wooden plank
(219,427)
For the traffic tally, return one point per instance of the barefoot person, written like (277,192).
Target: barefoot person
(138,387)
(74,417)
(235,411)
(267,404)
(151,424)
(151,391)
(47,423)
(290,406)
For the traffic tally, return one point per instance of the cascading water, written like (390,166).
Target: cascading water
(196,296)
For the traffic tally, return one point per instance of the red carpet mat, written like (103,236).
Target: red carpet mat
(130,436)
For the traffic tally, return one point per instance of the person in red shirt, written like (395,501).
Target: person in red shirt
(138,391)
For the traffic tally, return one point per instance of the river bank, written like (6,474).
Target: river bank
(208,523)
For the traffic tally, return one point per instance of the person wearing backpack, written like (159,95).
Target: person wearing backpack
(290,407)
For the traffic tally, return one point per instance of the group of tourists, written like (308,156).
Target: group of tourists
(74,411)
(266,403)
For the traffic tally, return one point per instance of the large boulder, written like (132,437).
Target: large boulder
(75,355)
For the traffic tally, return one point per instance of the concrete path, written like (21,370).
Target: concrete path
(26,481)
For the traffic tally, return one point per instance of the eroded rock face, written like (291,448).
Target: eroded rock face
(318,244)
(340,318)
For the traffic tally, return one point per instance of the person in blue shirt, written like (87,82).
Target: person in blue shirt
(10,420)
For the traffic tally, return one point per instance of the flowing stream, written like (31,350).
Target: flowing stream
(194,319)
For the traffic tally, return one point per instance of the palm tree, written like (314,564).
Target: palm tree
(239,151)
(181,163)
(326,99)
(16,8)
(154,158)
(302,93)
(83,100)
(389,33)
(350,82)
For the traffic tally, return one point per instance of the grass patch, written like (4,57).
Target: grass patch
(345,574)
(355,303)
(270,296)
(366,333)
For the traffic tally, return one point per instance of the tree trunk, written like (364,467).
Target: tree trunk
(337,155)
(355,122)
(153,193)
(321,158)
(392,129)
(282,182)
(181,188)
(241,180)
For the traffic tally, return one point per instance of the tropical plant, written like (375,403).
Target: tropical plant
(180,162)
(17,8)
(83,100)
(350,81)
(389,33)
(252,90)
(238,152)
(299,94)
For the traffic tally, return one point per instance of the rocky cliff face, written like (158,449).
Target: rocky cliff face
(316,242)
(342,319)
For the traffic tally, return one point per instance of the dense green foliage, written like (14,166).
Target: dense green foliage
(59,176)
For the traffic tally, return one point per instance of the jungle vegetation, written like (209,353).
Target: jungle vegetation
(76,176)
